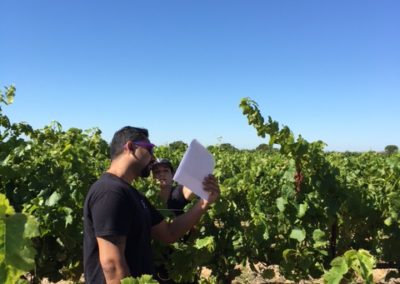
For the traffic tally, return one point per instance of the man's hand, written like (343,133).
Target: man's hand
(210,184)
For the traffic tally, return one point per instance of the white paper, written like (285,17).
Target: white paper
(196,164)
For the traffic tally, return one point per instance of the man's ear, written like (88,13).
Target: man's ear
(129,146)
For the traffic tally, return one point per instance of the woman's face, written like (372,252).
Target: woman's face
(163,174)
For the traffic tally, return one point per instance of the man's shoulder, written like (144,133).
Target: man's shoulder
(107,185)
(109,181)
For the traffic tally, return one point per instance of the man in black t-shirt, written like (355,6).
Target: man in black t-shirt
(119,221)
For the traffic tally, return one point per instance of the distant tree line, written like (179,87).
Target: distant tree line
(391,149)
(263,147)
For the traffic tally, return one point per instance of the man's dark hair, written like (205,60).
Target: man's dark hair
(125,134)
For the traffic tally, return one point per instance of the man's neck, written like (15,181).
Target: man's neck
(121,172)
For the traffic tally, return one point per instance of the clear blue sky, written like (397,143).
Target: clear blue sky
(330,70)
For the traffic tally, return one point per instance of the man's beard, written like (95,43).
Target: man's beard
(145,172)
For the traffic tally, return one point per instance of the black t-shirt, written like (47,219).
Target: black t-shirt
(114,208)
(176,200)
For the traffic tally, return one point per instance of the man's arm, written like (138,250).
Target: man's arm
(112,258)
(171,232)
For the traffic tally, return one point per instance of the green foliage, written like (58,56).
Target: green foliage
(372,187)
(48,173)
(17,255)
(144,279)
(178,146)
(228,147)
(391,149)
(263,147)
(184,263)
(8,97)
(350,267)
(297,206)
(307,199)
(340,201)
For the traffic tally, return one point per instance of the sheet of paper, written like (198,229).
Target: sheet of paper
(197,163)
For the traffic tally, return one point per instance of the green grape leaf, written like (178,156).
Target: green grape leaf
(19,252)
(298,234)
(289,254)
(5,207)
(144,279)
(17,255)
(207,242)
(319,238)
(388,221)
(10,94)
(302,210)
(280,203)
(335,274)
(53,199)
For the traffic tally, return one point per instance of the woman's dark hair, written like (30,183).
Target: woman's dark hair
(125,134)
(161,161)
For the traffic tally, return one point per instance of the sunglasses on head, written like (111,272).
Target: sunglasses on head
(147,145)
